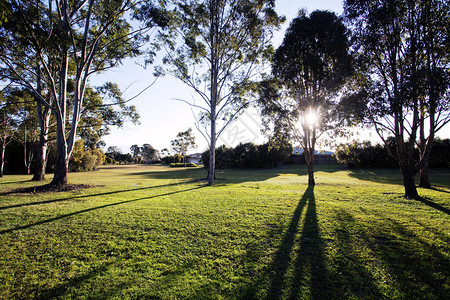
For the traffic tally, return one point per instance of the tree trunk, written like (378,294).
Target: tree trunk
(309,142)
(2,158)
(28,156)
(311,180)
(62,158)
(212,153)
(409,181)
(44,120)
(424,181)
(309,160)
(41,160)
(61,170)
(214,96)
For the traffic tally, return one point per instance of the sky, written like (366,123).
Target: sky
(162,117)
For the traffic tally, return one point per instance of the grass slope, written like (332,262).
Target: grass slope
(158,233)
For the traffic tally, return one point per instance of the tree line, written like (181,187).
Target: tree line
(367,155)
(382,64)
(250,156)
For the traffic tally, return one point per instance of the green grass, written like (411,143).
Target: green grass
(158,233)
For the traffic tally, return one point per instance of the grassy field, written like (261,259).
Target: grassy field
(158,233)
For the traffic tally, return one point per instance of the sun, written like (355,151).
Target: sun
(311,117)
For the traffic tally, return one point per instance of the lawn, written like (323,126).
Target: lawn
(153,232)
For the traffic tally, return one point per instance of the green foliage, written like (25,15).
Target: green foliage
(309,69)
(183,142)
(5,10)
(85,159)
(402,79)
(172,159)
(149,154)
(439,156)
(104,107)
(53,48)
(365,155)
(110,161)
(182,165)
(314,53)
(155,233)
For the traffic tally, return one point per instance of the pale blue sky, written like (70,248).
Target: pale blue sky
(162,117)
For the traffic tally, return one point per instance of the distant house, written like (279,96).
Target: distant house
(321,157)
(194,158)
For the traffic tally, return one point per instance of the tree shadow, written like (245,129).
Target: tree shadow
(434,205)
(226,176)
(282,260)
(94,208)
(309,267)
(385,176)
(416,274)
(63,288)
(15,182)
(300,266)
(86,196)
(353,278)
(299,263)
(439,178)
(442,190)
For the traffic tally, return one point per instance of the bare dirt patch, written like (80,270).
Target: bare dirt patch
(48,188)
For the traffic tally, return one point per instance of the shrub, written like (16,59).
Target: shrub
(439,156)
(88,162)
(365,155)
(85,159)
(181,165)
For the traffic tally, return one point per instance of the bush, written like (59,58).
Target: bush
(88,161)
(85,159)
(109,161)
(167,160)
(181,165)
(366,155)
(439,156)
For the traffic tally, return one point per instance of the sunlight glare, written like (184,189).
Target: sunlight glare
(311,117)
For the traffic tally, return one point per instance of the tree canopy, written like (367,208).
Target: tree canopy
(183,142)
(403,77)
(308,70)
(58,45)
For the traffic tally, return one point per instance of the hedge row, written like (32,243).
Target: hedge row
(181,165)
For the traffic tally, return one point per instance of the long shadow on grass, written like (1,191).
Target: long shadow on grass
(309,267)
(439,178)
(235,175)
(434,205)
(352,278)
(60,290)
(87,196)
(282,260)
(95,208)
(10,182)
(417,268)
(291,277)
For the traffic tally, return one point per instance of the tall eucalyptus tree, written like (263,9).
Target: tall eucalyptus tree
(309,68)
(217,47)
(404,80)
